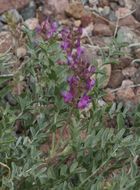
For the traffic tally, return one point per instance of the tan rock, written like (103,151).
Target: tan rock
(77,23)
(102,30)
(5,5)
(75,10)
(6,41)
(21,52)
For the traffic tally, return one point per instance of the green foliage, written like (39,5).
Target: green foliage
(93,156)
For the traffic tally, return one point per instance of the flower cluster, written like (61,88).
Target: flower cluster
(81,82)
(48,28)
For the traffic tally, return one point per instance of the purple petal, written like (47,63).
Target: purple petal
(67,95)
(90,84)
(84,102)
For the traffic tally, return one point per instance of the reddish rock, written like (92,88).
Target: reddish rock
(102,30)
(6,41)
(5,5)
(129,21)
(115,79)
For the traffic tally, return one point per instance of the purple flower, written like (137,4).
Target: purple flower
(80,51)
(67,95)
(65,45)
(90,83)
(84,102)
(73,80)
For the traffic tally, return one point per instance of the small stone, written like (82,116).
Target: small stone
(112,17)
(109,97)
(88,30)
(106,11)
(75,10)
(137,95)
(28,11)
(126,93)
(129,71)
(21,52)
(136,77)
(77,23)
(127,35)
(115,79)
(123,62)
(114,6)
(126,83)
(32,23)
(107,70)
(122,12)
(6,41)
(102,30)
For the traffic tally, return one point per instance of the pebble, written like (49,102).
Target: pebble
(29,11)
(21,52)
(115,79)
(126,93)
(32,23)
(102,30)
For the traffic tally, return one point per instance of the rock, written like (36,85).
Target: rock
(57,7)
(28,11)
(113,6)
(112,17)
(21,52)
(136,14)
(122,12)
(1,26)
(6,41)
(129,21)
(115,79)
(102,30)
(6,5)
(88,31)
(137,95)
(126,93)
(106,11)
(123,62)
(77,23)
(86,20)
(14,16)
(136,77)
(129,4)
(129,71)
(75,10)
(127,35)
(109,96)
(103,3)
(32,23)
